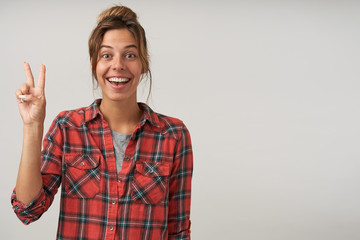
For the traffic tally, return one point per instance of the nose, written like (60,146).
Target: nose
(118,64)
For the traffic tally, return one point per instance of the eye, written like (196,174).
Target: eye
(106,56)
(130,55)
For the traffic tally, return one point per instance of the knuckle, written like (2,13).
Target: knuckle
(24,86)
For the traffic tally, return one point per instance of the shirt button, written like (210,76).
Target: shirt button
(151,171)
(111,228)
(82,164)
(113,202)
(127,159)
(119,180)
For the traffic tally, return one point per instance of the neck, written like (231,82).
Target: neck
(122,116)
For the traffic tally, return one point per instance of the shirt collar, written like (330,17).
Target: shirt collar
(149,115)
(93,111)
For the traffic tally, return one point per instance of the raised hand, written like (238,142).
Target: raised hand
(31,99)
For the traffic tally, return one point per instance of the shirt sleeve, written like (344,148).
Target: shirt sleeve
(180,189)
(51,159)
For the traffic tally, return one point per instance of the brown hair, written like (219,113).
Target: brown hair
(119,17)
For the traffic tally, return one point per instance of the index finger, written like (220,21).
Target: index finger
(28,74)
(41,80)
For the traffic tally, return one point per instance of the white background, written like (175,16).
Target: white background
(268,89)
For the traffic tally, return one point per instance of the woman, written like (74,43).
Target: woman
(125,170)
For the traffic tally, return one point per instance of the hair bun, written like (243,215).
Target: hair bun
(117,11)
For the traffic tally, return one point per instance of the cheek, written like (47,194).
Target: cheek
(138,68)
(100,70)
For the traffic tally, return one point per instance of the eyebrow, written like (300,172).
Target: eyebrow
(128,46)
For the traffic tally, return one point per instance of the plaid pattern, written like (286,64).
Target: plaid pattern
(148,199)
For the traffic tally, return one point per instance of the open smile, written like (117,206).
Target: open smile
(118,81)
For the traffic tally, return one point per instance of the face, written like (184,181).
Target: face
(119,68)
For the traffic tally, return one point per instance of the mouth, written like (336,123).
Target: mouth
(118,81)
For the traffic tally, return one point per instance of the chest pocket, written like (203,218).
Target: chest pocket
(82,176)
(150,182)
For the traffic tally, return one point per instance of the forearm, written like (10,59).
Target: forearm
(29,181)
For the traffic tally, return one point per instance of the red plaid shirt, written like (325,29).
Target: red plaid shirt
(148,199)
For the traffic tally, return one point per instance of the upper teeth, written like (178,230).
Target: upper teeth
(118,79)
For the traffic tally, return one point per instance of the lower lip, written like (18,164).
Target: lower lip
(118,87)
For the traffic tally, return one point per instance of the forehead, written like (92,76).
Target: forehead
(118,37)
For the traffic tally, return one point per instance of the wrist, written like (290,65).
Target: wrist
(33,129)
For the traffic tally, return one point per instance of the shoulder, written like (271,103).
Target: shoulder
(167,125)
(75,117)
(171,126)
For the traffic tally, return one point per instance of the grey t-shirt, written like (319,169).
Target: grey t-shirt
(120,142)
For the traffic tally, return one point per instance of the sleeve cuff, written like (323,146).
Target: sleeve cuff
(183,230)
(29,213)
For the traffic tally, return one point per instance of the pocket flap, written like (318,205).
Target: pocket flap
(82,161)
(153,169)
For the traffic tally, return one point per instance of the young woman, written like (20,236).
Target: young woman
(125,170)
